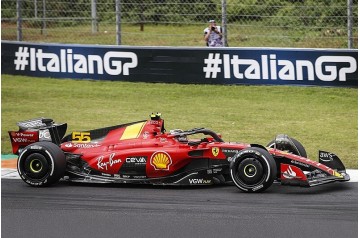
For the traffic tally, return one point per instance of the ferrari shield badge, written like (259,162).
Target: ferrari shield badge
(215,151)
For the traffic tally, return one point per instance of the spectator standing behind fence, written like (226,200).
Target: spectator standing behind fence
(213,35)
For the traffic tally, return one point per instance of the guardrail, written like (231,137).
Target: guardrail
(252,66)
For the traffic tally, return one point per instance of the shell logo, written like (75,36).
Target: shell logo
(161,160)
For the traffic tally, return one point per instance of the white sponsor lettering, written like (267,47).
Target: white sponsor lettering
(326,157)
(31,124)
(20,134)
(139,160)
(20,140)
(331,71)
(299,163)
(104,164)
(325,68)
(199,181)
(111,63)
(258,187)
(35,147)
(82,145)
(44,135)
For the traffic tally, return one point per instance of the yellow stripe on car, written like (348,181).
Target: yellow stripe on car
(133,131)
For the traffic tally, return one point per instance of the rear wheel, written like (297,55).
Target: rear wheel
(41,164)
(253,170)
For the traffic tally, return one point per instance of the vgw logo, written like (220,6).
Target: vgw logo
(200,181)
(68,62)
(326,68)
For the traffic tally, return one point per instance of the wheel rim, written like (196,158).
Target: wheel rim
(250,172)
(36,166)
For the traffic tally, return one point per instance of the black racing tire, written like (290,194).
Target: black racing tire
(253,170)
(41,164)
(299,146)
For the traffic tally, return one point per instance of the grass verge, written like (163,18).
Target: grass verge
(320,118)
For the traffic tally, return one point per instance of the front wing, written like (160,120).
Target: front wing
(329,169)
(293,175)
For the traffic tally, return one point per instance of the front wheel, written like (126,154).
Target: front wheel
(253,170)
(296,148)
(41,164)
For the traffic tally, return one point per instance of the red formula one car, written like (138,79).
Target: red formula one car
(143,153)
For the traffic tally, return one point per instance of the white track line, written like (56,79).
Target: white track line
(9,174)
(353,175)
(13,174)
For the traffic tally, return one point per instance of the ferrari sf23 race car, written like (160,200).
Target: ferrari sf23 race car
(143,152)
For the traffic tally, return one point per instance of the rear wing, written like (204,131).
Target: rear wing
(34,130)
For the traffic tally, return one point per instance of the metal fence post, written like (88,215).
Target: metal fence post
(35,9)
(94,23)
(118,22)
(18,21)
(350,23)
(224,23)
(43,24)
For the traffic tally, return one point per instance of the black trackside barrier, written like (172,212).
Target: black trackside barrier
(251,66)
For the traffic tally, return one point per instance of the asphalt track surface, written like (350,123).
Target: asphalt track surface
(68,210)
